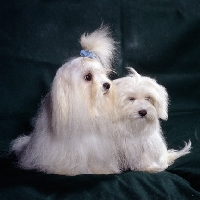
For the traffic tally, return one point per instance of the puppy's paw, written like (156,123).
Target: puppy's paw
(154,168)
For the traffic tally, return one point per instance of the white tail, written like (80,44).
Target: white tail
(174,154)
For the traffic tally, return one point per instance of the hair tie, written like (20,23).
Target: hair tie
(85,53)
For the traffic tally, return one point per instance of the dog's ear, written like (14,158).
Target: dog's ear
(161,103)
(59,97)
(133,73)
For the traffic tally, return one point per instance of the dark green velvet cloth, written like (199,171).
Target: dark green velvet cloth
(159,38)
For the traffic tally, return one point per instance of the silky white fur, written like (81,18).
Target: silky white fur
(101,44)
(140,141)
(71,133)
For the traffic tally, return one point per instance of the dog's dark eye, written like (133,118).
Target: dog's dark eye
(131,98)
(148,98)
(88,77)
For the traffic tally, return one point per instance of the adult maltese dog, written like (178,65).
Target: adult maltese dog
(70,134)
(139,103)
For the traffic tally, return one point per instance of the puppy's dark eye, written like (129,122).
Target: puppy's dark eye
(148,98)
(88,77)
(131,98)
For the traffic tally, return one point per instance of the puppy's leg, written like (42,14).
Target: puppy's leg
(158,166)
(100,166)
(153,168)
(153,164)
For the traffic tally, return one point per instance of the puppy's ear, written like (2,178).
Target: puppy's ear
(133,73)
(162,101)
(59,96)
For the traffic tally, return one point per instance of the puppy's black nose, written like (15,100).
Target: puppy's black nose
(142,113)
(106,86)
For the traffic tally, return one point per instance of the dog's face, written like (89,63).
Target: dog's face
(80,89)
(87,82)
(140,98)
(88,76)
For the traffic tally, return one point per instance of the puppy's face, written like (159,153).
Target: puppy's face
(133,100)
(140,98)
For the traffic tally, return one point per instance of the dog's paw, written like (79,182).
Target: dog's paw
(154,168)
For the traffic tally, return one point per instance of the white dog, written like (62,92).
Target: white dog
(71,131)
(139,103)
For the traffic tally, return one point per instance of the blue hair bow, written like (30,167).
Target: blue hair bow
(85,53)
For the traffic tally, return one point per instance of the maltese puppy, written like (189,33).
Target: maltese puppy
(70,134)
(139,103)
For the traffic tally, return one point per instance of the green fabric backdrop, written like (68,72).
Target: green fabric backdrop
(159,38)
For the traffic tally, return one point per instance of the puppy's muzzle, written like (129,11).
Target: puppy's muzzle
(106,86)
(142,113)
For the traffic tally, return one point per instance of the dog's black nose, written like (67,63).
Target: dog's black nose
(142,113)
(106,86)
